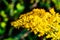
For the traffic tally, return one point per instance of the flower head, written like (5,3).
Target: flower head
(40,22)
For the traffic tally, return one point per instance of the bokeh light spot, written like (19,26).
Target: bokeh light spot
(3,24)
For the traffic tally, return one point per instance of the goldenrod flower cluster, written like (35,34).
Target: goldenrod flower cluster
(40,22)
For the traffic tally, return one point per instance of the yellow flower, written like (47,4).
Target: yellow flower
(40,21)
(48,36)
(52,11)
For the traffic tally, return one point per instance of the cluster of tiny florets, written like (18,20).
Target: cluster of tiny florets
(40,22)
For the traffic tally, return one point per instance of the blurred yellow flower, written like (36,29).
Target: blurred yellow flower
(40,22)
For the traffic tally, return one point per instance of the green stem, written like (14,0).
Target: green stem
(12,8)
(10,31)
(23,34)
(6,3)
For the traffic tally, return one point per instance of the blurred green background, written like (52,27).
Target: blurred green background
(10,10)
